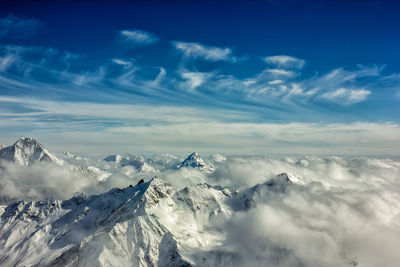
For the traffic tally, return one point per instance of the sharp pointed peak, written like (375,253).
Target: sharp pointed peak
(194,155)
(194,161)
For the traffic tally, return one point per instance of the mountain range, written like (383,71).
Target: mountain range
(166,210)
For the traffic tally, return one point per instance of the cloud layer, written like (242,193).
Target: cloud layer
(347,211)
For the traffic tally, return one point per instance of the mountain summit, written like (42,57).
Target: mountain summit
(26,151)
(194,161)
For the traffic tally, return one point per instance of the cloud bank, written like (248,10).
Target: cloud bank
(346,213)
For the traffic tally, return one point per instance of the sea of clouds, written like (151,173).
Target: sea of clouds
(346,214)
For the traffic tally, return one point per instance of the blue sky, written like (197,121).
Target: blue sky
(257,77)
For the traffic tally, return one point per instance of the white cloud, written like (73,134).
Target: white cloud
(160,77)
(275,82)
(211,53)
(194,79)
(346,96)
(358,95)
(139,37)
(122,62)
(280,73)
(99,127)
(282,61)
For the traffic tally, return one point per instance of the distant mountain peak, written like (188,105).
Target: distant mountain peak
(194,161)
(26,151)
(113,158)
(289,178)
(283,179)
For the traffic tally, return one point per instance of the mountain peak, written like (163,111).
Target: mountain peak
(24,142)
(194,155)
(194,161)
(283,179)
(26,151)
(289,178)
(113,158)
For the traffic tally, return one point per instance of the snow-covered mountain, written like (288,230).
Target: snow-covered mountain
(138,225)
(27,151)
(135,226)
(194,161)
(240,215)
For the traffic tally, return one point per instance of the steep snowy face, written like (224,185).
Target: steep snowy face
(27,151)
(194,161)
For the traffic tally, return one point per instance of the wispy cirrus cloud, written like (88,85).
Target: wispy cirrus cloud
(346,96)
(199,51)
(13,27)
(347,87)
(282,61)
(177,129)
(245,100)
(272,93)
(280,73)
(139,37)
(194,79)
(122,62)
